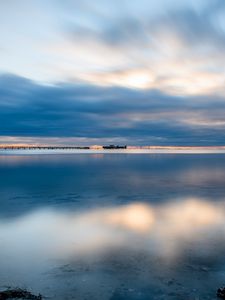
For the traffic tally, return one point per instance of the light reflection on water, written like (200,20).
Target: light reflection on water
(113,227)
(149,240)
(51,233)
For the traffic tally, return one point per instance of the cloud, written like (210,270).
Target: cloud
(169,46)
(178,51)
(89,112)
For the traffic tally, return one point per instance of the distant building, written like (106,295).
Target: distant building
(114,147)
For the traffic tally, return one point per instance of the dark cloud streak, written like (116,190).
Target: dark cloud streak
(32,110)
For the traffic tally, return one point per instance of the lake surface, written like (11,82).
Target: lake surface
(113,226)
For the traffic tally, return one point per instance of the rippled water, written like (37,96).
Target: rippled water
(113,226)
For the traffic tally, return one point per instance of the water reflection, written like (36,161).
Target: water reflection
(114,226)
(75,181)
(149,239)
(53,233)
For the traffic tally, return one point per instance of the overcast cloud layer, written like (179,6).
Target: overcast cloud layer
(133,72)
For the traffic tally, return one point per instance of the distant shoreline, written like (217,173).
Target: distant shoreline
(110,147)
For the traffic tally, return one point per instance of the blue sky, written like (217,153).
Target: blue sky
(134,72)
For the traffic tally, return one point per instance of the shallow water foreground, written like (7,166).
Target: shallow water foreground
(113,226)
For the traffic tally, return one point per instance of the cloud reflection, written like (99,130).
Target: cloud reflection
(156,228)
(81,254)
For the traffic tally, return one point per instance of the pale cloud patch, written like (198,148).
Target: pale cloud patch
(170,46)
(164,61)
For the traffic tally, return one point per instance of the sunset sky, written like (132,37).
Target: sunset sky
(137,72)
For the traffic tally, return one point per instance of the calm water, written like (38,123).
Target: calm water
(113,226)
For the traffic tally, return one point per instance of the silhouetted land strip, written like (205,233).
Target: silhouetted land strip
(110,147)
(59,147)
(41,148)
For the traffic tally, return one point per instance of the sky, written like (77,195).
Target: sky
(140,72)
